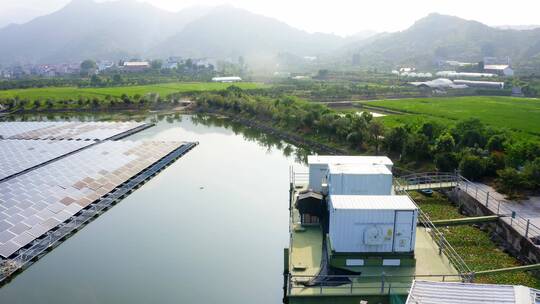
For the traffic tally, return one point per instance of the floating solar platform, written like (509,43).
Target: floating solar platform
(40,200)
(18,156)
(69,130)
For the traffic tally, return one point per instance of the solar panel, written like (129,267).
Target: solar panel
(65,130)
(19,155)
(39,200)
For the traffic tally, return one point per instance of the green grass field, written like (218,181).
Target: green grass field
(518,114)
(164,89)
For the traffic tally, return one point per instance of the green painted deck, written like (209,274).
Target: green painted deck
(305,258)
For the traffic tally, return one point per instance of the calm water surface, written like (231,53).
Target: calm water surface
(211,228)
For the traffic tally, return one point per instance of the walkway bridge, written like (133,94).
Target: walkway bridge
(427,180)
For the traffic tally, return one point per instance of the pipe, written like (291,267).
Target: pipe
(466,220)
(509,269)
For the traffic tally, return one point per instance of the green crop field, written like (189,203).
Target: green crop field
(64,93)
(518,114)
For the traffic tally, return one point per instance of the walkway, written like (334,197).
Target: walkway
(527,211)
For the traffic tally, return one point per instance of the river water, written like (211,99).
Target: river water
(210,228)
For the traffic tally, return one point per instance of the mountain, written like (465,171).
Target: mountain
(130,29)
(441,37)
(126,28)
(86,29)
(518,27)
(231,32)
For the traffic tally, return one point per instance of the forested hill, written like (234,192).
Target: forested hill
(441,37)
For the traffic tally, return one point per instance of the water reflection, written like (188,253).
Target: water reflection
(223,124)
(267,140)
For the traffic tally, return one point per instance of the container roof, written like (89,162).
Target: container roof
(331,159)
(358,169)
(136,63)
(372,202)
(427,292)
(496,66)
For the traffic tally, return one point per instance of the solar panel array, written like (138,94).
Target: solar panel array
(65,130)
(39,200)
(9,129)
(19,155)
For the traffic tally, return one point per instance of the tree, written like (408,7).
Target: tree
(323,74)
(531,172)
(95,103)
(395,139)
(156,64)
(471,167)
(376,132)
(189,64)
(446,162)
(494,163)
(417,147)
(470,133)
(509,181)
(96,81)
(496,143)
(125,99)
(522,151)
(88,67)
(428,129)
(117,79)
(445,144)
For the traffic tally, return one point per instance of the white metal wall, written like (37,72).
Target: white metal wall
(347,230)
(317,172)
(360,184)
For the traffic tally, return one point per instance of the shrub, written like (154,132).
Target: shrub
(471,167)
(531,174)
(496,143)
(446,162)
(509,181)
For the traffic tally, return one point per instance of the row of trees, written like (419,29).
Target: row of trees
(107,102)
(476,150)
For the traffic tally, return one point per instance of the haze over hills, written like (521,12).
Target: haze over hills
(231,32)
(113,30)
(85,29)
(129,29)
(518,27)
(440,37)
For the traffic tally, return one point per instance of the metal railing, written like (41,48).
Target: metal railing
(359,284)
(438,237)
(297,177)
(38,247)
(519,223)
(431,179)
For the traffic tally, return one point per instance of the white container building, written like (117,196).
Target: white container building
(359,179)
(372,224)
(318,166)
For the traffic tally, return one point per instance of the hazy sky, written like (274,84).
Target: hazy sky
(338,16)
